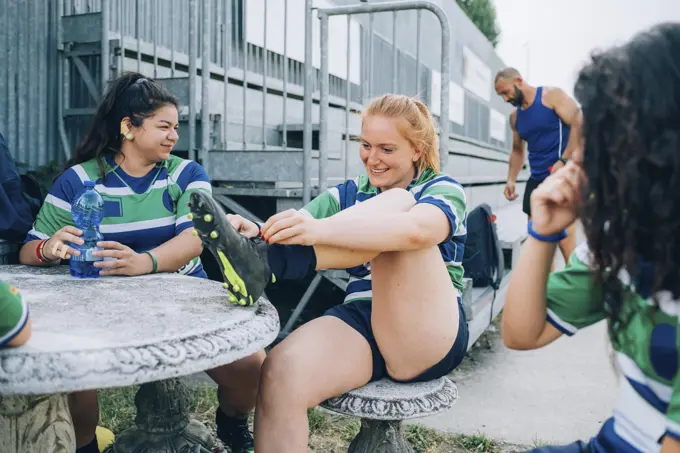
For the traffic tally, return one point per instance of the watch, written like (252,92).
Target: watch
(563,160)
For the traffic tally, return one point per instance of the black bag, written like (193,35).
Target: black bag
(483,257)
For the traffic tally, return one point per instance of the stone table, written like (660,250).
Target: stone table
(115,332)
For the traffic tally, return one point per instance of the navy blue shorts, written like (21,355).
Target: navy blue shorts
(358,315)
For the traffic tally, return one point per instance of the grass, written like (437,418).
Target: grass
(329,433)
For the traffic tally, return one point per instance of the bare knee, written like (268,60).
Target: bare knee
(281,380)
(238,383)
(242,373)
(400,199)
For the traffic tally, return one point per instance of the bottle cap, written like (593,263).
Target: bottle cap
(89,184)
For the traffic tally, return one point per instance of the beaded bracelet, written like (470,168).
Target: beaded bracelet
(543,238)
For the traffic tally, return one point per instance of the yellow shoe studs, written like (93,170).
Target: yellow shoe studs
(207,218)
(194,233)
(190,216)
(225,285)
(232,298)
(242,302)
(232,277)
(214,234)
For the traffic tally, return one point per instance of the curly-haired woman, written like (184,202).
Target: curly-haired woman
(626,188)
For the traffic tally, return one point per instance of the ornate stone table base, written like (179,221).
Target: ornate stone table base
(380,436)
(36,424)
(382,406)
(163,424)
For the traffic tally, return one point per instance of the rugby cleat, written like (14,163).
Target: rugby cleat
(243,261)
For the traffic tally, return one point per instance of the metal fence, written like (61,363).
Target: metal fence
(348,11)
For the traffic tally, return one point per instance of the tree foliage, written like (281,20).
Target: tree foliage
(483,14)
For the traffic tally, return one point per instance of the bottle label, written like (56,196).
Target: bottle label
(86,255)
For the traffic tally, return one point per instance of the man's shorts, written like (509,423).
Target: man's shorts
(357,315)
(532,184)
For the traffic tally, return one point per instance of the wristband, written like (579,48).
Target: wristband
(154,261)
(543,238)
(39,252)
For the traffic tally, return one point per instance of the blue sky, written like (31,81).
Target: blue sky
(553,38)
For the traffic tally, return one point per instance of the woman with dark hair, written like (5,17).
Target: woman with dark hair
(625,186)
(146,226)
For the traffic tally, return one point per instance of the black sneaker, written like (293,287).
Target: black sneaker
(243,261)
(234,433)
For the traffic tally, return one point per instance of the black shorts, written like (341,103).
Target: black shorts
(532,184)
(358,316)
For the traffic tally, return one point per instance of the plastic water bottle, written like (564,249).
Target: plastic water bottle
(87,212)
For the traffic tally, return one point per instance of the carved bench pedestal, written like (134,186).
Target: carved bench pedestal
(382,406)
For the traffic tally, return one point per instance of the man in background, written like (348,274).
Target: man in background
(547,121)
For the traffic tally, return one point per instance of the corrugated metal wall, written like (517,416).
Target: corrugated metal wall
(28,80)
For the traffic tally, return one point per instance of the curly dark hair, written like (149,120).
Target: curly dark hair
(630,98)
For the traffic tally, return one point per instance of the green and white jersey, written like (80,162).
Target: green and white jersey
(141,213)
(13,313)
(433,188)
(646,354)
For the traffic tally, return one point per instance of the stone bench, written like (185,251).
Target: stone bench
(383,405)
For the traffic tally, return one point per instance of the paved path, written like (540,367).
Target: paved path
(556,394)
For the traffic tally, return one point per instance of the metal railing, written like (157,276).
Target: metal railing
(394,7)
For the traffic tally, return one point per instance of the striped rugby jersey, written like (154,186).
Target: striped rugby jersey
(646,354)
(141,213)
(430,187)
(13,313)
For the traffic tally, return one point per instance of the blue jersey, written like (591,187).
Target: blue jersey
(645,351)
(545,133)
(140,212)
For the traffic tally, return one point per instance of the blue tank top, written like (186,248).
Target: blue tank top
(545,133)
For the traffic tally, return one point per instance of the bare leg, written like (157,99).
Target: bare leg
(329,257)
(84,408)
(238,383)
(322,359)
(415,310)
